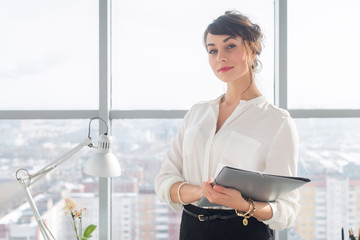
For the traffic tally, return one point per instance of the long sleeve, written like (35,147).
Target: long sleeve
(282,159)
(172,169)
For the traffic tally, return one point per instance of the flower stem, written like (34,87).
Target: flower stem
(75,229)
(80,226)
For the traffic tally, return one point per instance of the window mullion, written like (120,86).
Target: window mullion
(104,109)
(324,113)
(280,52)
(48,114)
(280,63)
(147,114)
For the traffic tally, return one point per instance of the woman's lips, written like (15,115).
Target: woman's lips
(225,69)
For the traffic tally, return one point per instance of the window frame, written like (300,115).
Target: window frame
(281,81)
(281,63)
(108,114)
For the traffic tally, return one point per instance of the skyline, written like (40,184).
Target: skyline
(140,146)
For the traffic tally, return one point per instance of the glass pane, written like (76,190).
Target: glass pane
(33,144)
(323,54)
(49,54)
(330,157)
(141,145)
(158,57)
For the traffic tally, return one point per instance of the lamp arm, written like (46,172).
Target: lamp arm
(26,182)
(46,233)
(33,178)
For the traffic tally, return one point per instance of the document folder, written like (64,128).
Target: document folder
(258,186)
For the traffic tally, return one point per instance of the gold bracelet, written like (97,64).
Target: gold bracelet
(243,214)
(253,205)
(249,213)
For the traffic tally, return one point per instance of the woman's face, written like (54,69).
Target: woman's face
(227,57)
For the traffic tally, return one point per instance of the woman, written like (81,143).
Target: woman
(240,129)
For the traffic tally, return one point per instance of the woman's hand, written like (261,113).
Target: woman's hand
(224,196)
(232,198)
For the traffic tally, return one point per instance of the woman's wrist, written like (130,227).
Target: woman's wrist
(263,211)
(191,193)
(244,205)
(178,192)
(249,213)
(188,193)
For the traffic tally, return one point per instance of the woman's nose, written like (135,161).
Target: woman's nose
(221,57)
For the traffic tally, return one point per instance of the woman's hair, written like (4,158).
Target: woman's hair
(235,24)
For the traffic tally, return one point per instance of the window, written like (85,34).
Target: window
(32,144)
(49,55)
(329,156)
(159,55)
(322,70)
(51,66)
(321,94)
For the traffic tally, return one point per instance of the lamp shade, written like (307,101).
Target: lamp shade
(103,163)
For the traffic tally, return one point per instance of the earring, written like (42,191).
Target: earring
(252,67)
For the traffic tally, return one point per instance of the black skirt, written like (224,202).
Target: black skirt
(191,228)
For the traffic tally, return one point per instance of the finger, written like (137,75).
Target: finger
(206,188)
(206,185)
(224,190)
(219,188)
(209,181)
(227,191)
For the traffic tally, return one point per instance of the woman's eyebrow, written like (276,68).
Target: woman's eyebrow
(225,40)
(228,38)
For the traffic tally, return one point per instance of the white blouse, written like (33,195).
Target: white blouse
(257,136)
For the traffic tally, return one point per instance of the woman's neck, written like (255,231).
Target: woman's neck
(237,92)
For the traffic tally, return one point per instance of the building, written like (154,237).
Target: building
(328,204)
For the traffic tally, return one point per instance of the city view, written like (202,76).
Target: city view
(329,156)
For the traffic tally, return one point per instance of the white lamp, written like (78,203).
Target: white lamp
(102,164)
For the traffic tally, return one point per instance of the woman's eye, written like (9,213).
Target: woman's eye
(231,46)
(212,51)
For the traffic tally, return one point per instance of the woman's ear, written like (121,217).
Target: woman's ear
(251,60)
(251,54)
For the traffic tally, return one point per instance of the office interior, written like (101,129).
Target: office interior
(139,66)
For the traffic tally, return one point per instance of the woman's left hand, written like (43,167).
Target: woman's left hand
(224,196)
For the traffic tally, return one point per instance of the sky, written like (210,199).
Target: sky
(49,53)
(324,54)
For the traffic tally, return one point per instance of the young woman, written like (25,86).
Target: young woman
(239,128)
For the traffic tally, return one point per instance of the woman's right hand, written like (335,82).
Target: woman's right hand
(229,197)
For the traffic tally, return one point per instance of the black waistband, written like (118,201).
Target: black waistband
(209,214)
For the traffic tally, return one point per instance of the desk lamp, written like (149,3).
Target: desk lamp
(102,164)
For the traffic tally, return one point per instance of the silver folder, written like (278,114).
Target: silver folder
(258,186)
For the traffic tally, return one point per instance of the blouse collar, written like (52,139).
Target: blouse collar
(256,100)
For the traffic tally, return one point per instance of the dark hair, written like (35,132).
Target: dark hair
(235,24)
